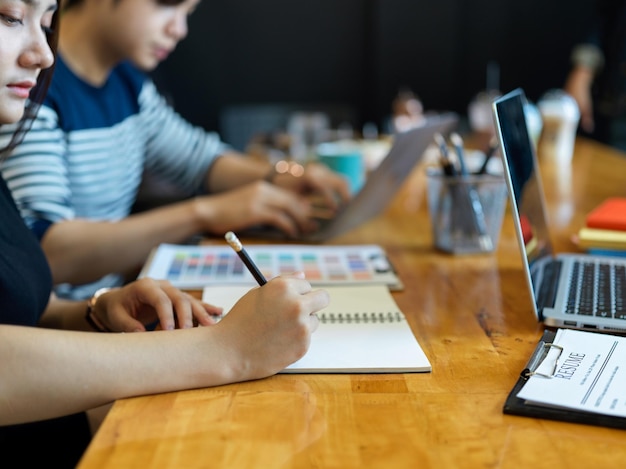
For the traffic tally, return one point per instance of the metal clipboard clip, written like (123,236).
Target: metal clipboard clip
(538,357)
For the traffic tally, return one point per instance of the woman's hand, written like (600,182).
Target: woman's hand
(255,204)
(317,179)
(270,327)
(130,308)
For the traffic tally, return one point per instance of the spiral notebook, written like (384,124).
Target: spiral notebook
(361,331)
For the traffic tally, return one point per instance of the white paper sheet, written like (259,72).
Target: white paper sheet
(361,331)
(588,374)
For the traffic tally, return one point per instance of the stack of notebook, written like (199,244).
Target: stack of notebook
(605,228)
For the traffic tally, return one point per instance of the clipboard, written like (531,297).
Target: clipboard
(516,406)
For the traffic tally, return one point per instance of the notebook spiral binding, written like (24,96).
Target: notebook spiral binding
(380,317)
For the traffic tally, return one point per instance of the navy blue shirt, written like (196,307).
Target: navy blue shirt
(81,106)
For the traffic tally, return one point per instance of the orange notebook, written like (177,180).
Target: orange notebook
(609,215)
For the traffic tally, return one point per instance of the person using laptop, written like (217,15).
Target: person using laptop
(54,369)
(76,174)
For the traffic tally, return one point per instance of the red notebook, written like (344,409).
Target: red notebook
(609,215)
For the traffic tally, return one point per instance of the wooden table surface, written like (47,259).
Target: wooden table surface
(471,315)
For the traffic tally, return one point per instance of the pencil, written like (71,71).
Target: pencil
(234,242)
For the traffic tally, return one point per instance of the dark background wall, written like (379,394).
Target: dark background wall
(358,53)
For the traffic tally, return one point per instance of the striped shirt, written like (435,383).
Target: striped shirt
(87,150)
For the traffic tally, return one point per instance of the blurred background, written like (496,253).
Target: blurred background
(248,64)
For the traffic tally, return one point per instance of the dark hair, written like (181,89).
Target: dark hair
(72,3)
(38,93)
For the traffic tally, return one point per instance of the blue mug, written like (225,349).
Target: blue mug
(345,159)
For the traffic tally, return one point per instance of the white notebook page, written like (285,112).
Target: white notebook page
(361,331)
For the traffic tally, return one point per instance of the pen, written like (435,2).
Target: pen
(493,146)
(449,169)
(234,242)
(475,205)
(441,143)
(457,141)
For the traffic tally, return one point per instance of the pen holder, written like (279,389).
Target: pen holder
(466,212)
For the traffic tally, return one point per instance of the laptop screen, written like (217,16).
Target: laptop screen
(525,190)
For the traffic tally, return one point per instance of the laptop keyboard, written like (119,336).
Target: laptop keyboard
(597,289)
(550,272)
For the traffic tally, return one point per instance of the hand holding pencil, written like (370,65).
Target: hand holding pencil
(272,324)
(233,241)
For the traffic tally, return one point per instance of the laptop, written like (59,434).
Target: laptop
(578,291)
(381,184)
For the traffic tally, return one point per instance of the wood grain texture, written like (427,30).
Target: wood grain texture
(471,315)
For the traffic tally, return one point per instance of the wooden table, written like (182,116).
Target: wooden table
(472,317)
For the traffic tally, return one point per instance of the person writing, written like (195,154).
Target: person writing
(53,373)
(75,175)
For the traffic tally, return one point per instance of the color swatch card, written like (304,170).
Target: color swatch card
(198,266)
